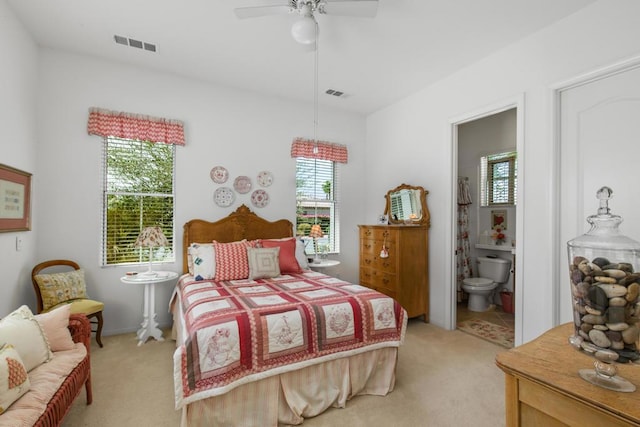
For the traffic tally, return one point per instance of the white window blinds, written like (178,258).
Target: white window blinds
(317,201)
(138,191)
(499,179)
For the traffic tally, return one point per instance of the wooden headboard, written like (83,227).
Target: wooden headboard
(241,224)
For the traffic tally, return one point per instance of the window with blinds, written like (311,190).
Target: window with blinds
(499,179)
(317,202)
(138,191)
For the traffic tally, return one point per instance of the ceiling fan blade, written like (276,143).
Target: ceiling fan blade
(363,8)
(258,11)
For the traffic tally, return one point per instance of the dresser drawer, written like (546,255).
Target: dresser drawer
(366,276)
(377,278)
(370,256)
(380,279)
(378,233)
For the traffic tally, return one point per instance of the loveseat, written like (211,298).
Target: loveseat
(53,385)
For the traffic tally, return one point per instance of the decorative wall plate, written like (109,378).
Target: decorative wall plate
(242,184)
(265,178)
(219,174)
(224,196)
(260,198)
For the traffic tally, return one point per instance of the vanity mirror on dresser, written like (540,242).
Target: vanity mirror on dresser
(394,256)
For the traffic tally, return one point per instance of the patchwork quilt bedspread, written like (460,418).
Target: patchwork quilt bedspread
(240,331)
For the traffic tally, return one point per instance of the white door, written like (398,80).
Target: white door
(599,145)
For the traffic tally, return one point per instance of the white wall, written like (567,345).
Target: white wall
(18,90)
(598,35)
(242,131)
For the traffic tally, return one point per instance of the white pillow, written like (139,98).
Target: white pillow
(203,258)
(14,381)
(24,333)
(55,324)
(301,256)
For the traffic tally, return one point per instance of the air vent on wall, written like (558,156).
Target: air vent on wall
(334,92)
(134,43)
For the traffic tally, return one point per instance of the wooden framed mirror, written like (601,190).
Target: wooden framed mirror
(407,204)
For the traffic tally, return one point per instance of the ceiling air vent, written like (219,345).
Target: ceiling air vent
(334,92)
(135,43)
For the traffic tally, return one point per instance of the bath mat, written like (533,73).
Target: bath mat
(496,334)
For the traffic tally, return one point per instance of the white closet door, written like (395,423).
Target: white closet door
(599,145)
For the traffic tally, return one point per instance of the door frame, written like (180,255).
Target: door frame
(516,102)
(559,247)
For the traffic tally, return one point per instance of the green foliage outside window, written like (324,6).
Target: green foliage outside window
(138,192)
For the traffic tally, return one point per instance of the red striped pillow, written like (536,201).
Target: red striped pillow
(232,262)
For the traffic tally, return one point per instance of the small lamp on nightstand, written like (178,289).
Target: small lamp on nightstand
(315,233)
(151,237)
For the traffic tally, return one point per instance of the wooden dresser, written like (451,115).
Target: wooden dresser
(404,274)
(543,388)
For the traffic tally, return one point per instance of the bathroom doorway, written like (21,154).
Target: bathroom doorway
(494,131)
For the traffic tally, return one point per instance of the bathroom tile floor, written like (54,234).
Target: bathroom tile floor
(495,314)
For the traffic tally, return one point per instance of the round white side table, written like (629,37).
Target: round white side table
(325,263)
(149,326)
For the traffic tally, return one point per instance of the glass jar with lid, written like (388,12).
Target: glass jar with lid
(604,275)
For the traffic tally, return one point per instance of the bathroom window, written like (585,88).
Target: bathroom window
(499,179)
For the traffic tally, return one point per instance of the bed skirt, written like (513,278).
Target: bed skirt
(289,398)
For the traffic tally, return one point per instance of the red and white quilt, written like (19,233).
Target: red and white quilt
(244,330)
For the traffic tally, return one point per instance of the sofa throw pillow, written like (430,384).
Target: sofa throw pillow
(288,262)
(55,325)
(232,262)
(263,262)
(24,333)
(58,287)
(14,381)
(202,261)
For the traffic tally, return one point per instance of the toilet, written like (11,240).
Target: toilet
(491,273)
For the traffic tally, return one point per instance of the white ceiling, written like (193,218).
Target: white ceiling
(407,46)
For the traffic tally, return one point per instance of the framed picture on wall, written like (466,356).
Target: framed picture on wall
(499,219)
(15,199)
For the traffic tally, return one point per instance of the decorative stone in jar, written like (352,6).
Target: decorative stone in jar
(605,282)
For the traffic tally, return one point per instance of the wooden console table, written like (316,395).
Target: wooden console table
(543,388)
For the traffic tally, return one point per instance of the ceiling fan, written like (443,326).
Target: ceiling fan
(305,29)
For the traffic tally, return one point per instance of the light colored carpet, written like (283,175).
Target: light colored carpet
(444,378)
(496,334)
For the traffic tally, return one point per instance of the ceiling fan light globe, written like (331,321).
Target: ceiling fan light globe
(304,30)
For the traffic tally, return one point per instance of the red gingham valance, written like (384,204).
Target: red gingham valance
(134,126)
(321,150)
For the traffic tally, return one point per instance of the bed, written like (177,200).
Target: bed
(272,349)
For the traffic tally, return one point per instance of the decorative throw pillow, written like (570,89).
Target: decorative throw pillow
(14,381)
(232,262)
(55,325)
(202,261)
(301,255)
(263,262)
(23,331)
(288,262)
(59,287)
